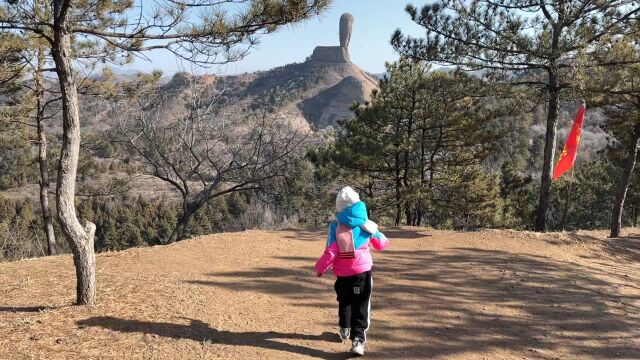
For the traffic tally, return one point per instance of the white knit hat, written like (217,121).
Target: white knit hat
(345,198)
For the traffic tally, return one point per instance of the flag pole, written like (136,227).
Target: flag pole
(567,197)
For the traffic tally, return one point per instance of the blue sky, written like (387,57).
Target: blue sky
(375,21)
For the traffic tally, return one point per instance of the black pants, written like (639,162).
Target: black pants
(354,303)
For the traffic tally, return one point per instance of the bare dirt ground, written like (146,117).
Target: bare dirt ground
(253,295)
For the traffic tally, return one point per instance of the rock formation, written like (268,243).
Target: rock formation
(346,26)
(317,93)
(334,103)
(340,53)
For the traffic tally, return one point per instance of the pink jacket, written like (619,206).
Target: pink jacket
(351,263)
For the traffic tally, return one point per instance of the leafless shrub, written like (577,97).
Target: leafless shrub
(204,153)
(16,244)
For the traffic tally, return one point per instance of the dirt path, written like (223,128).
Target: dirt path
(253,295)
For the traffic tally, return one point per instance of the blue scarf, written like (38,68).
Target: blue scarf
(353,217)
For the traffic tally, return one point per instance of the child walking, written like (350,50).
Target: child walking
(347,252)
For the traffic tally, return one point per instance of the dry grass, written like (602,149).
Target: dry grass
(253,295)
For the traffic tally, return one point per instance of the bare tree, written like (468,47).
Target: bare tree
(80,34)
(203,153)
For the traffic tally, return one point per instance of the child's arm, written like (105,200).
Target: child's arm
(326,260)
(379,241)
(330,252)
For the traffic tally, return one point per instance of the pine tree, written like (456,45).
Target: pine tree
(617,90)
(542,44)
(416,137)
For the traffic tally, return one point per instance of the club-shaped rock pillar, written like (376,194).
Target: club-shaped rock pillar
(346,26)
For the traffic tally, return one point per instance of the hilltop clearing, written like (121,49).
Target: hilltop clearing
(253,295)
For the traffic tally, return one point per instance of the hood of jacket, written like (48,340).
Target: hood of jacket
(353,216)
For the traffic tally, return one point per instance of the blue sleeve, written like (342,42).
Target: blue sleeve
(379,241)
(331,238)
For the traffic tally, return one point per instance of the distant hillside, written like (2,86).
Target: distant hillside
(315,93)
(318,92)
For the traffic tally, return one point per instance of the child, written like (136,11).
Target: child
(348,254)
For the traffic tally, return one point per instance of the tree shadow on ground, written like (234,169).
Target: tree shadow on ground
(299,285)
(467,300)
(570,238)
(627,247)
(25,309)
(202,332)
(306,235)
(405,234)
(526,303)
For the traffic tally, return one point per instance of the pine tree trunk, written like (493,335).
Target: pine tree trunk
(549,153)
(635,214)
(408,213)
(405,175)
(432,164)
(84,259)
(44,190)
(79,237)
(423,154)
(623,185)
(398,189)
(47,219)
(565,211)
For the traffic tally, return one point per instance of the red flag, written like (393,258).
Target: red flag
(568,155)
